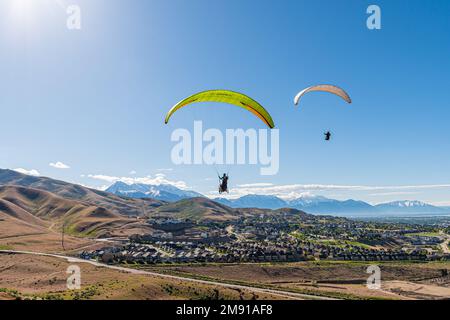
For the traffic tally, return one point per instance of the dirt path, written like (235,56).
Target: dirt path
(445,245)
(416,290)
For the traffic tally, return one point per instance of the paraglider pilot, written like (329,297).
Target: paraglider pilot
(223,187)
(327,136)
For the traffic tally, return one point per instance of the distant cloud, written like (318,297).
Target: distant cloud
(383,194)
(165,170)
(32,172)
(101,188)
(133,172)
(59,165)
(442,203)
(253,185)
(157,179)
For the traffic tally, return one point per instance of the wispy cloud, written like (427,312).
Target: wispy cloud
(133,172)
(400,193)
(157,179)
(59,165)
(255,185)
(165,169)
(442,203)
(101,188)
(32,172)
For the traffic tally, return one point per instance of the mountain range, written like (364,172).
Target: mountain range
(307,203)
(31,205)
(163,192)
(33,202)
(141,199)
(322,205)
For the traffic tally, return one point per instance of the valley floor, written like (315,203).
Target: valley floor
(35,276)
(127,232)
(43,276)
(342,280)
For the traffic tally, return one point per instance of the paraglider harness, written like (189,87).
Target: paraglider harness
(223,186)
(327,136)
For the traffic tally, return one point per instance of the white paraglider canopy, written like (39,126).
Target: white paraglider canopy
(324,88)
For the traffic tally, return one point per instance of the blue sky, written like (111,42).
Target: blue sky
(95,99)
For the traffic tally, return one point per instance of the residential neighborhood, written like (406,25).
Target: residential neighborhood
(276,238)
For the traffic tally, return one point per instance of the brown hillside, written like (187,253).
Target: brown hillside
(201,209)
(40,208)
(115,204)
(198,209)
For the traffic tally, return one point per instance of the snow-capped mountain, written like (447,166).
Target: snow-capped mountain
(308,200)
(165,192)
(322,205)
(310,204)
(409,206)
(254,201)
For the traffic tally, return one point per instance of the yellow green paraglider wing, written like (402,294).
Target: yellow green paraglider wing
(225,96)
(324,88)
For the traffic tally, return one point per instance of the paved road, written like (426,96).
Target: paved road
(280,293)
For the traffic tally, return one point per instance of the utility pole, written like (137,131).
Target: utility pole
(62,235)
